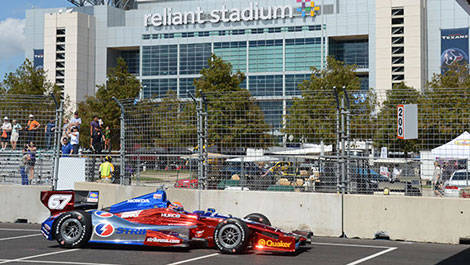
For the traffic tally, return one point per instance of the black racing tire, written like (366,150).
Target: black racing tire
(73,229)
(259,218)
(231,236)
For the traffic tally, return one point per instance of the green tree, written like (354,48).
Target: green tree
(120,84)
(312,118)
(386,129)
(234,118)
(175,122)
(28,80)
(445,103)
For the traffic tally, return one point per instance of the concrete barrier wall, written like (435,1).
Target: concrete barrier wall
(320,213)
(408,218)
(402,218)
(22,202)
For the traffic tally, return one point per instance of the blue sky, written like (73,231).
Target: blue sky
(12,14)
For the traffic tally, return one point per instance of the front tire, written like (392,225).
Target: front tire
(73,229)
(231,236)
(259,218)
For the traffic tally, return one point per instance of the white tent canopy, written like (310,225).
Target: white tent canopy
(458,148)
(253,159)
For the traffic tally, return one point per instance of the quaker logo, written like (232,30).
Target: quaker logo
(157,196)
(139,201)
(452,56)
(103,214)
(104,229)
(130,231)
(171,215)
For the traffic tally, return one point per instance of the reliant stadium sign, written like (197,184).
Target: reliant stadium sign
(252,13)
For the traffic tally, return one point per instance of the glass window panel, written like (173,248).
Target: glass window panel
(159,60)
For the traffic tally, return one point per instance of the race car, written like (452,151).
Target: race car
(152,220)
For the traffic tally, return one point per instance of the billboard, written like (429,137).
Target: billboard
(454,47)
(38,58)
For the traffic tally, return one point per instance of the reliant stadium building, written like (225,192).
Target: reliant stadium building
(167,42)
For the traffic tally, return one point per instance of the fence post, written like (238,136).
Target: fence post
(58,130)
(122,149)
(202,132)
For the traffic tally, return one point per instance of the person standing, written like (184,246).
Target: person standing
(6,132)
(23,163)
(106,170)
(437,180)
(15,134)
(97,141)
(65,127)
(94,126)
(107,139)
(32,127)
(67,148)
(49,131)
(75,121)
(74,139)
(32,160)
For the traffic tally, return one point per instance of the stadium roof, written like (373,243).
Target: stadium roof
(124,4)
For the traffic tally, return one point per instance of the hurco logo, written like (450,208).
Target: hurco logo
(307,8)
(270,243)
(171,215)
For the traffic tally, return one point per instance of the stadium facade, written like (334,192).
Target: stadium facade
(167,42)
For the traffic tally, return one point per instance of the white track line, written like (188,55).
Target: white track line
(371,256)
(17,229)
(37,256)
(193,259)
(347,245)
(57,262)
(16,237)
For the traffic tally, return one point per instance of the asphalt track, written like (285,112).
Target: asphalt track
(23,244)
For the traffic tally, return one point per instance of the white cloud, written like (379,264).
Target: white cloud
(12,38)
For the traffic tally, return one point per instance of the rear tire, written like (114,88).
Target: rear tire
(259,218)
(73,229)
(231,236)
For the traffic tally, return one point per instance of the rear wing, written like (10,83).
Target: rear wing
(68,200)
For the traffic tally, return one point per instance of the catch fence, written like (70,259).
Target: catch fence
(322,141)
(317,141)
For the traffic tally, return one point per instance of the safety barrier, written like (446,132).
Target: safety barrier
(420,219)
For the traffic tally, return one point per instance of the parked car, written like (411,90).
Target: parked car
(458,180)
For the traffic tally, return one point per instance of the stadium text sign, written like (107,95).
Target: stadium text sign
(252,13)
(407,121)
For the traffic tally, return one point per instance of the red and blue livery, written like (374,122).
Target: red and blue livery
(152,220)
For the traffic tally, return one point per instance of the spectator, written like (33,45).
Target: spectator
(32,127)
(67,148)
(97,141)
(396,173)
(15,134)
(32,159)
(106,170)
(100,122)
(23,163)
(65,127)
(94,126)
(6,132)
(437,180)
(107,139)
(49,131)
(75,121)
(74,139)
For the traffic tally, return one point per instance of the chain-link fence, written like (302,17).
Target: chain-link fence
(322,141)
(27,139)
(319,141)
